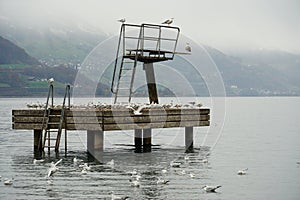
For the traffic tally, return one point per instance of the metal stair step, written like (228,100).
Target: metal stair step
(49,146)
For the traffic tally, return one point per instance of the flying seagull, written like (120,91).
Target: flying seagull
(209,188)
(168,21)
(188,47)
(123,20)
(53,168)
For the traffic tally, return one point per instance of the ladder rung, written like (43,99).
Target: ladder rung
(124,88)
(126,75)
(128,62)
(51,139)
(127,69)
(49,146)
(122,95)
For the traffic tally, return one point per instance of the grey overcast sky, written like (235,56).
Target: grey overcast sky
(224,24)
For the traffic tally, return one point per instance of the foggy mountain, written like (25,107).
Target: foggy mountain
(248,73)
(53,41)
(12,54)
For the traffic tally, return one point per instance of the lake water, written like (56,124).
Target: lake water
(261,134)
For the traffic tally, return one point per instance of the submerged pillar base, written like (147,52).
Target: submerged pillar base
(95,144)
(37,143)
(147,140)
(189,140)
(138,134)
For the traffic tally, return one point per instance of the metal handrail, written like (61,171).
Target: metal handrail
(62,116)
(47,102)
(116,61)
(46,112)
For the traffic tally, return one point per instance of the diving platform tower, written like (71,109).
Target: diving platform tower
(146,43)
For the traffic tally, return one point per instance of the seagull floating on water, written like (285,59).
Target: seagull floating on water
(123,20)
(84,171)
(209,188)
(168,21)
(135,183)
(182,172)
(35,161)
(115,197)
(175,164)
(85,166)
(111,163)
(188,47)
(242,172)
(161,181)
(76,160)
(192,175)
(8,181)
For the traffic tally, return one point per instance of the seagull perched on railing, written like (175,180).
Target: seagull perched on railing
(123,20)
(168,21)
(51,81)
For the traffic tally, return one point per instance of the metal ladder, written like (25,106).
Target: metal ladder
(51,114)
(125,78)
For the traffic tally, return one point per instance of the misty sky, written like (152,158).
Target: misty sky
(227,25)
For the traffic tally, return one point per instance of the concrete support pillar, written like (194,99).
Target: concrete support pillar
(189,140)
(147,140)
(37,143)
(138,140)
(150,77)
(95,141)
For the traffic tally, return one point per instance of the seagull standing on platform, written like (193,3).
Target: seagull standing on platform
(123,20)
(168,21)
(139,110)
(188,47)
